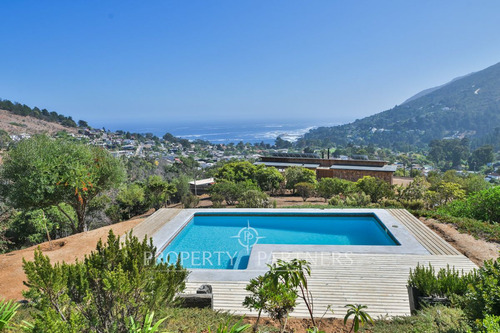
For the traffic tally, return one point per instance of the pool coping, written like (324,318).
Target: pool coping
(262,253)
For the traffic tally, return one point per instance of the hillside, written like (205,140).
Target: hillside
(15,124)
(465,107)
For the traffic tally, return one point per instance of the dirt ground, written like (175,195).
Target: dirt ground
(65,249)
(16,124)
(476,250)
(405,181)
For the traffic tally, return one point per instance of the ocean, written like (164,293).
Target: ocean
(227,132)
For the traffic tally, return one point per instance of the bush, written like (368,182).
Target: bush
(102,292)
(190,201)
(483,205)
(328,187)
(232,191)
(295,175)
(413,204)
(268,179)
(305,190)
(374,187)
(357,199)
(446,283)
(390,203)
(438,319)
(336,201)
(217,200)
(253,199)
(483,298)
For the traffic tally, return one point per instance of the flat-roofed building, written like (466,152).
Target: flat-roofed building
(351,169)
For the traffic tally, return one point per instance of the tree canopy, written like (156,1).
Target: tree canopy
(42,172)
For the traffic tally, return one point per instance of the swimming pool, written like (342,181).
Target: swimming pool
(225,240)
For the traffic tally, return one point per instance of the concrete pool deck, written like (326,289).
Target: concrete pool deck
(374,276)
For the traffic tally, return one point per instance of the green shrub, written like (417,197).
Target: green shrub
(328,187)
(436,319)
(413,204)
(483,205)
(483,298)
(390,203)
(489,324)
(118,281)
(357,199)
(336,201)
(295,175)
(375,188)
(268,179)
(253,199)
(217,200)
(446,283)
(232,191)
(190,201)
(305,190)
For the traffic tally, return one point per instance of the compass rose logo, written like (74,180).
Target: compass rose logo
(247,237)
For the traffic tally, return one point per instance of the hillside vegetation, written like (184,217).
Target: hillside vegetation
(468,106)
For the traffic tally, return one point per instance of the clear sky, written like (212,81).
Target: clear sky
(126,62)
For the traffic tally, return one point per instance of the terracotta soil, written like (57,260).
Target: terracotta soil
(66,249)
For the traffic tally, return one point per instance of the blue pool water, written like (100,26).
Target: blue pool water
(225,241)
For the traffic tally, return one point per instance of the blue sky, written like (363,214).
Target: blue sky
(158,62)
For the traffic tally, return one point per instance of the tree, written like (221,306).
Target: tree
(280,143)
(231,191)
(295,175)
(158,191)
(481,156)
(83,123)
(445,192)
(130,198)
(237,172)
(305,190)
(376,188)
(268,179)
(42,172)
(328,187)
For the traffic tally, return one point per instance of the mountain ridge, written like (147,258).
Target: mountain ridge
(468,106)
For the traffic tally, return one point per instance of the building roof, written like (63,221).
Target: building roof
(286,165)
(385,168)
(299,155)
(201,182)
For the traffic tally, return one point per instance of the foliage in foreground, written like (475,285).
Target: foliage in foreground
(446,282)
(477,293)
(104,291)
(360,316)
(438,319)
(8,310)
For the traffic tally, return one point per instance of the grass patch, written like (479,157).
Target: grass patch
(479,229)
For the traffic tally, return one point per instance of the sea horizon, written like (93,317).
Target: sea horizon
(228,131)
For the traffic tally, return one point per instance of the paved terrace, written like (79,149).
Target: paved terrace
(376,280)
